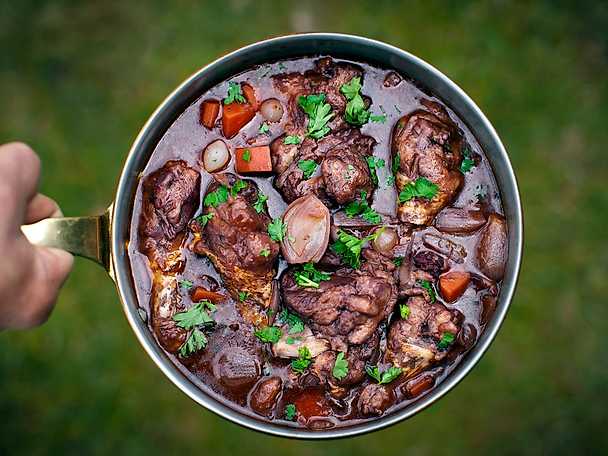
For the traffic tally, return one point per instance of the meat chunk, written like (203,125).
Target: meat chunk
(414,343)
(348,308)
(170,198)
(236,241)
(375,399)
(429,262)
(165,301)
(428,145)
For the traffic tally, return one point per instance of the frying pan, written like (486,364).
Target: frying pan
(103,238)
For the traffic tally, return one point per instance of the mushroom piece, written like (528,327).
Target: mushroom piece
(492,248)
(307,234)
(284,349)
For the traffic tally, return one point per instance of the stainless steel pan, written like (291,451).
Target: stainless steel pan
(104,238)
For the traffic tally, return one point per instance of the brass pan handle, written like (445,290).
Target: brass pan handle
(87,237)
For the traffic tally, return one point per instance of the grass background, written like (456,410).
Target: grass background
(78,80)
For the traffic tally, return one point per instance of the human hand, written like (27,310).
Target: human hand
(30,276)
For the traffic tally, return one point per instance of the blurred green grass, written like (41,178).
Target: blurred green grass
(78,80)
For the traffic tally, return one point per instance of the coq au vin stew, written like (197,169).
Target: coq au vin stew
(317,242)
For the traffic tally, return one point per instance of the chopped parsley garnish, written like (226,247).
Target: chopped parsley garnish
(361,207)
(277,229)
(428,286)
(379,119)
(467,162)
(290,412)
(355,112)
(374,164)
(270,334)
(446,340)
(291,139)
(295,323)
(203,219)
(304,359)
(340,369)
(234,94)
(265,252)
(404,311)
(398,261)
(243,295)
(264,128)
(310,277)
(395,163)
(385,377)
(185,284)
(247,155)
(308,167)
(318,112)
(390,180)
(219,196)
(237,187)
(197,315)
(260,202)
(348,247)
(196,341)
(420,188)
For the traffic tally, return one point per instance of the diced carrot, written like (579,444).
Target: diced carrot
(199,294)
(249,94)
(453,284)
(236,116)
(253,160)
(209,111)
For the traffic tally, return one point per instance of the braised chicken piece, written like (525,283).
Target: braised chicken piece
(170,198)
(235,238)
(427,146)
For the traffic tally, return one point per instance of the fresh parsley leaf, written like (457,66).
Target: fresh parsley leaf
(196,341)
(195,315)
(185,284)
(291,139)
(398,261)
(304,360)
(295,323)
(446,340)
(308,167)
(340,369)
(203,219)
(234,94)
(217,197)
(318,112)
(390,180)
(277,229)
(260,202)
(355,112)
(395,163)
(374,164)
(264,128)
(379,119)
(385,377)
(404,311)
(270,334)
(361,207)
(420,188)
(348,247)
(290,412)
(428,286)
(237,187)
(265,252)
(467,162)
(247,155)
(243,295)
(310,277)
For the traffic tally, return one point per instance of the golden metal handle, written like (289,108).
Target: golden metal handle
(88,237)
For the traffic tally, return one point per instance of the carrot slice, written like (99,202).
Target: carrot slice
(453,284)
(209,111)
(235,117)
(253,160)
(199,294)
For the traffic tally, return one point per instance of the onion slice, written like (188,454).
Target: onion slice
(308,225)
